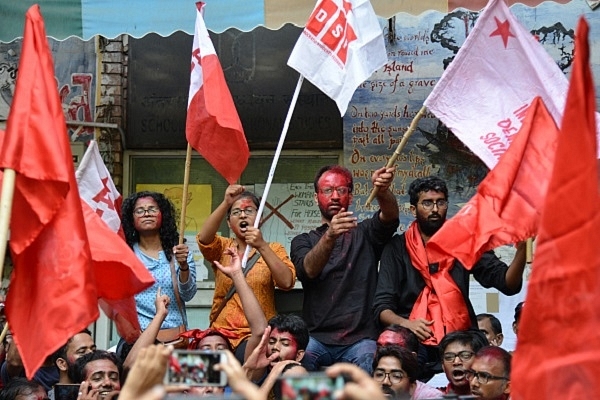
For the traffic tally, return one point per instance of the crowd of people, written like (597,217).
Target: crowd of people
(375,310)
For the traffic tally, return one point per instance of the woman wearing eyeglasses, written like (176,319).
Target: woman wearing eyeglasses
(150,229)
(268,264)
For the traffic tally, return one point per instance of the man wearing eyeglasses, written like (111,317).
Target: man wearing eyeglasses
(337,265)
(489,375)
(396,369)
(432,299)
(457,351)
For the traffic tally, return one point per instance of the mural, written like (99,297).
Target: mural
(75,71)
(419,49)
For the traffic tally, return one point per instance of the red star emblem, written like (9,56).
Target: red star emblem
(502,29)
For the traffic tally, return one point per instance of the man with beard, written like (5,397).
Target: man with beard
(337,265)
(432,299)
(457,350)
(65,357)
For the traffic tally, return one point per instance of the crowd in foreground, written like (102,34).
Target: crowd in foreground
(375,310)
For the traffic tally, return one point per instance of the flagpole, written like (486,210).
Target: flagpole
(400,147)
(6,199)
(184,197)
(284,131)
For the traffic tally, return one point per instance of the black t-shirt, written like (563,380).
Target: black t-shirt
(338,303)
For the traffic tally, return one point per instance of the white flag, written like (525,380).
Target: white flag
(340,47)
(484,94)
(97,188)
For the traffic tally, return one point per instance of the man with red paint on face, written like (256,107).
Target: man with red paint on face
(273,267)
(337,265)
(432,299)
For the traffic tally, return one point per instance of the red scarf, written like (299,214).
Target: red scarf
(441,300)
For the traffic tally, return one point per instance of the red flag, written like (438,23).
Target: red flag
(558,346)
(52,294)
(119,273)
(341,46)
(500,59)
(507,207)
(213,126)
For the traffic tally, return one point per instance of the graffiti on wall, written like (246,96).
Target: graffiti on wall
(75,72)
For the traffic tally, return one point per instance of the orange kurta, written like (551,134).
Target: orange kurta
(259,279)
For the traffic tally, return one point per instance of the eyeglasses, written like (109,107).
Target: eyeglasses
(482,377)
(341,191)
(142,211)
(395,376)
(236,212)
(428,204)
(463,355)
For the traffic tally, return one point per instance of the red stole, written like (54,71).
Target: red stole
(441,300)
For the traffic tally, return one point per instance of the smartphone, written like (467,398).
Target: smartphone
(196,368)
(314,385)
(66,391)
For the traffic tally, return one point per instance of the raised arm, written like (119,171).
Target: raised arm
(254,313)
(211,225)
(382,179)
(148,337)
(514,274)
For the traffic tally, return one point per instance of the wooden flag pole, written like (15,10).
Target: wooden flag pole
(6,200)
(529,251)
(184,196)
(400,147)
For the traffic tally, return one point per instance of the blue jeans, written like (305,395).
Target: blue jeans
(319,355)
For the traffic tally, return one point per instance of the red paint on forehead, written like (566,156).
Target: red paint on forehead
(332,179)
(245,203)
(390,337)
(284,335)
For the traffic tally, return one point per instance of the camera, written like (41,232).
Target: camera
(195,368)
(314,385)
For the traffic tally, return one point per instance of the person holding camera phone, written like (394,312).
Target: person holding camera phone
(268,265)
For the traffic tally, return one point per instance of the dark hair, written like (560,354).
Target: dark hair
(19,387)
(245,195)
(518,310)
(62,351)
(496,353)
(424,185)
(77,372)
(473,337)
(407,338)
(338,169)
(494,322)
(168,228)
(407,358)
(293,324)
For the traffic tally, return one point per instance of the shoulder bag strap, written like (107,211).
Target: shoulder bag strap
(251,261)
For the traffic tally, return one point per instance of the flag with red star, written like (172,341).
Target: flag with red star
(484,94)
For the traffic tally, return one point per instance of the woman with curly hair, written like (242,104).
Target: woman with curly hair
(150,230)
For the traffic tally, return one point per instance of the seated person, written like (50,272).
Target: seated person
(280,351)
(397,368)
(489,375)
(100,374)
(491,328)
(456,351)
